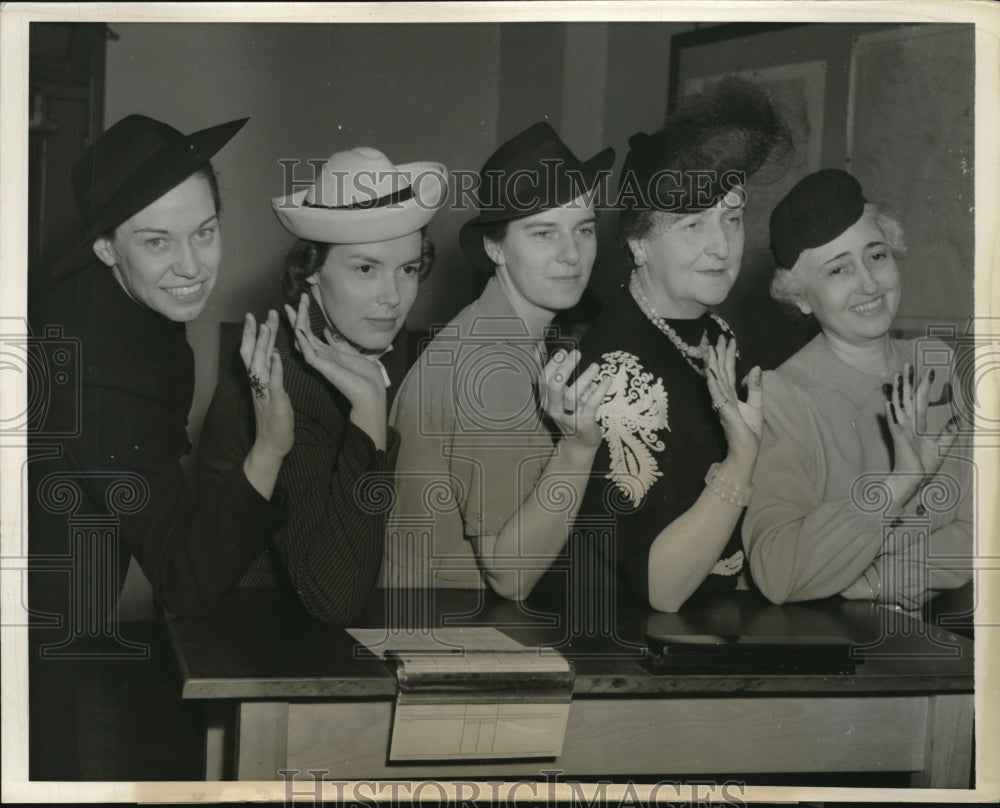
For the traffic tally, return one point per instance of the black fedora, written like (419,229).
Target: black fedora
(134,163)
(531,172)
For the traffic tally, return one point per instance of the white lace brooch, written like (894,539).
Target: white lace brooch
(633,410)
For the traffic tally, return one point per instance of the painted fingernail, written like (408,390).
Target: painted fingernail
(930,376)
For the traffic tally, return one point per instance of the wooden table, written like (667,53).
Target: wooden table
(285,691)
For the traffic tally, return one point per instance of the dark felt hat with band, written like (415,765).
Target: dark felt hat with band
(817,210)
(531,172)
(134,163)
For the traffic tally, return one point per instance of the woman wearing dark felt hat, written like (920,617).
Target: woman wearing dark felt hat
(478,470)
(673,471)
(855,407)
(349,283)
(149,200)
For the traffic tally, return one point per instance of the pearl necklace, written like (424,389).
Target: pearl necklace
(689,352)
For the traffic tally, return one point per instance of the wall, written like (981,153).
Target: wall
(444,92)
(415,92)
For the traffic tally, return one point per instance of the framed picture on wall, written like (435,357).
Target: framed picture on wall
(911,143)
(871,98)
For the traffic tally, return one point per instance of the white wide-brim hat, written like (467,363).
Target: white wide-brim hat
(359,197)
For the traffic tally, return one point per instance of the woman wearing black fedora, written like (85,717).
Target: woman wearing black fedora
(349,283)
(673,472)
(149,200)
(481,486)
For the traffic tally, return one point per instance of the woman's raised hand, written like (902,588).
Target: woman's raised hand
(273,413)
(573,407)
(915,452)
(742,421)
(358,378)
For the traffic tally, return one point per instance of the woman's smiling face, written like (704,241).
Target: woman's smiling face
(167,255)
(851,284)
(692,262)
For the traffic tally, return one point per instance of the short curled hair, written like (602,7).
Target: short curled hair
(786,285)
(307,257)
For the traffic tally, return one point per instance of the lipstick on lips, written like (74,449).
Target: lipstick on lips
(181,292)
(382,323)
(868,306)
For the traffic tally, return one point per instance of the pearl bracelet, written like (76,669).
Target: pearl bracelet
(725,489)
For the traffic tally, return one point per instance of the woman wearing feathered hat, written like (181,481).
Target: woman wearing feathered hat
(478,470)
(349,283)
(149,200)
(673,471)
(833,437)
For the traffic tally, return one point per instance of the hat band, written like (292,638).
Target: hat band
(402,195)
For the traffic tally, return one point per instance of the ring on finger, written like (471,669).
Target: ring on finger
(258,386)
(718,405)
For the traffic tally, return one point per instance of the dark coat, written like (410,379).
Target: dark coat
(130,401)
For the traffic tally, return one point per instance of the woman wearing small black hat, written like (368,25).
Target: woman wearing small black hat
(149,197)
(673,471)
(349,282)
(833,437)
(484,493)
(149,200)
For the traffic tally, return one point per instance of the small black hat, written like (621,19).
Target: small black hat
(134,163)
(531,172)
(819,208)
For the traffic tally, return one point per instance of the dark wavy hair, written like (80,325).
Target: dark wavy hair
(307,257)
(728,129)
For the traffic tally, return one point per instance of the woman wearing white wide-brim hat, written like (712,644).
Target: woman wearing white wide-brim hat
(349,282)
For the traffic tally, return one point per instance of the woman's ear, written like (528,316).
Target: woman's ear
(494,249)
(638,248)
(104,250)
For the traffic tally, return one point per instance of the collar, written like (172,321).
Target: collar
(828,371)
(495,317)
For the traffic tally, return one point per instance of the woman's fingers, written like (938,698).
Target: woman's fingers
(259,360)
(591,398)
(730,348)
(272,325)
(277,379)
(755,390)
(552,387)
(247,339)
(921,399)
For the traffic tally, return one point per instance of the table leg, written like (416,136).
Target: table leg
(218,739)
(948,749)
(262,740)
